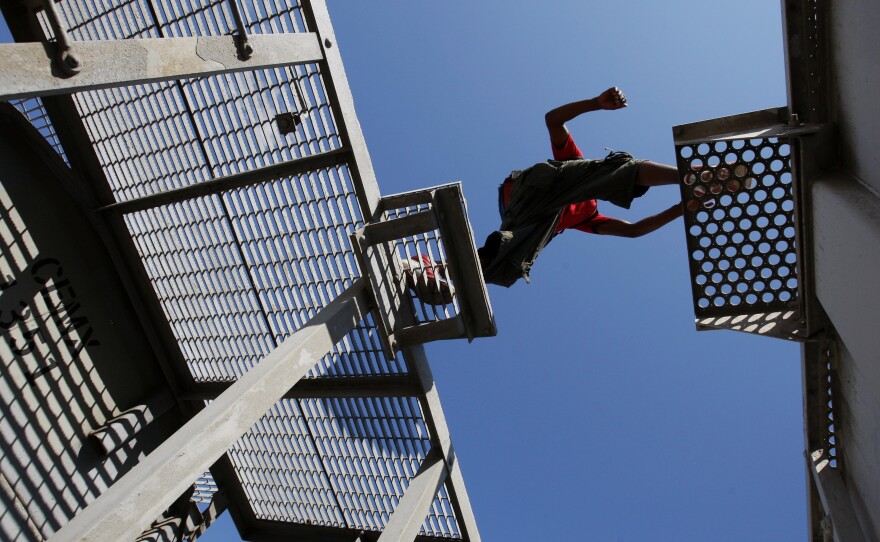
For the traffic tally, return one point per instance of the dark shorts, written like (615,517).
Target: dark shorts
(547,187)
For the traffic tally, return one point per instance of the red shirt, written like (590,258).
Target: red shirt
(581,216)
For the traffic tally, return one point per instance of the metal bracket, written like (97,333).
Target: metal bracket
(65,60)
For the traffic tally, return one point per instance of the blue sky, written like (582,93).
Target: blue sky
(598,413)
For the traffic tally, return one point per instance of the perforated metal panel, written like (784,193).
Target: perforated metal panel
(741,234)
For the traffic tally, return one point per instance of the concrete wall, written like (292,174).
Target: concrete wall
(71,354)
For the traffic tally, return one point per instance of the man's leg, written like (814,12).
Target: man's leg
(654,174)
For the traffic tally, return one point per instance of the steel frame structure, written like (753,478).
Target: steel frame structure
(58,66)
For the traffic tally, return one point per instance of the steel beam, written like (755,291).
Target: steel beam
(133,502)
(342,104)
(835,499)
(28,68)
(441,440)
(298,166)
(323,388)
(411,510)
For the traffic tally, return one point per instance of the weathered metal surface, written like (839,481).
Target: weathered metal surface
(28,70)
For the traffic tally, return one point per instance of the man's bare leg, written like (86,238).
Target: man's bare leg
(654,174)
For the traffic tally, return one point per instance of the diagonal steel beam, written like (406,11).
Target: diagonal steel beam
(28,69)
(130,505)
(231,182)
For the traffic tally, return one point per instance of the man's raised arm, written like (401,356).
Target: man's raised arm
(555,119)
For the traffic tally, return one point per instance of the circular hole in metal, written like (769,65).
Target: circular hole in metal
(767,297)
(784,296)
(705,242)
(783,271)
(716,188)
(696,164)
(727,226)
(724,265)
(757,261)
(709,290)
(791,258)
(747,250)
(686,152)
(695,230)
(750,183)
(738,238)
(751,299)
(766,273)
(733,185)
(766,152)
(731,158)
(748,155)
(749,274)
(739,263)
(735,300)
(689,178)
(713,161)
(780,220)
(768,180)
(709,203)
(762,221)
(770,207)
(719,301)
(714,253)
(776,165)
(785,177)
(752,210)
(698,255)
(792,283)
(702,216)
(699,191)
(733,276)
(741,170)
(735,212)
(764,248)
(754,236)
(726,289)
(775,284)
(692,205)
(772,234)
(718,214)
(758,168)
(784,149)
(789,232)
(703,303)
(760,195)
(704,148)
(720,146)
(717,278)
(758,286)
(738,144)
(779,192)
(742,287)
(707,266)
(700,279)
(706,175)
(782,246)
(721,240)
(788,206)
(711,228)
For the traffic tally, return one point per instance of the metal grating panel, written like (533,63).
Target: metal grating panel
(741,234)
(35,113)
(238,271)
(428,244)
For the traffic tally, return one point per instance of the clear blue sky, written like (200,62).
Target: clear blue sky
(598,413)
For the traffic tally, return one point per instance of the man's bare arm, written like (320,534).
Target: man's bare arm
(622,228)
(555,119)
